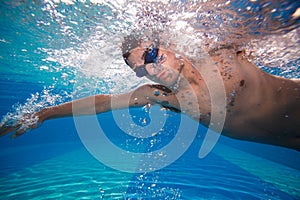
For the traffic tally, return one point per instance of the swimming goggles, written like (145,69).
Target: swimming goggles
(149,56)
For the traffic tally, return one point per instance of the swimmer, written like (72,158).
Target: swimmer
(259,107)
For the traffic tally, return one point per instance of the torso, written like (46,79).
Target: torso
(259,107)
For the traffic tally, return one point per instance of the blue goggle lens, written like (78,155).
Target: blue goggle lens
(151,55)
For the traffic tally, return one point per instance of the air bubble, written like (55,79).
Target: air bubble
(101,193)
(177,56)
(103,89)
(44,68)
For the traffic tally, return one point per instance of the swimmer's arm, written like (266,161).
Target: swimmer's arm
(96,104)
(85,106)
(147,94)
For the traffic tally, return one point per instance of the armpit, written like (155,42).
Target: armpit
(162,88)
(171,108)
(164,91)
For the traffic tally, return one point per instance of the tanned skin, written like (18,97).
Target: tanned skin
(259,107)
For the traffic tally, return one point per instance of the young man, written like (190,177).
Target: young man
(256,106)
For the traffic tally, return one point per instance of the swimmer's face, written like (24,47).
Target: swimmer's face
(164,70)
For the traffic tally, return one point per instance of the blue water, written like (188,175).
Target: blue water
(51,162)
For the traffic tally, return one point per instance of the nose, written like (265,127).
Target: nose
(154,68)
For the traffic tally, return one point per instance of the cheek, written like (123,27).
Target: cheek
(135,60)
(171,77)
(171,73)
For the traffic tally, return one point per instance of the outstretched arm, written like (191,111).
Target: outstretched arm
(147,94)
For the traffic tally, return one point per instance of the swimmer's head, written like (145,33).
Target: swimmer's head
(146,58)
(133,41)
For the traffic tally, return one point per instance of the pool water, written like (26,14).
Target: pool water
(51,52)
(52,163)
(64,169)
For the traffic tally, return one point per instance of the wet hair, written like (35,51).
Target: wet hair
(130,42)
(134,40)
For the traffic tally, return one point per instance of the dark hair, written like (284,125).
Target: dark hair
(130,42)
(134,40)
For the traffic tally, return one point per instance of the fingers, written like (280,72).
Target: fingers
(7,129)
(20,126)
(18,133)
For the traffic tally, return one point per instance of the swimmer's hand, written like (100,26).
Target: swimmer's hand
(20,126)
